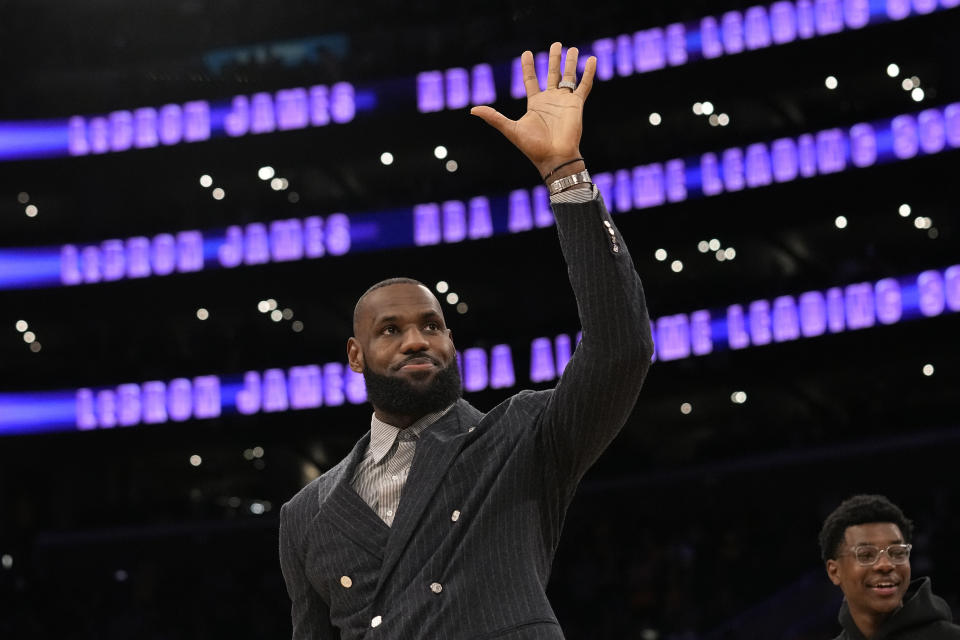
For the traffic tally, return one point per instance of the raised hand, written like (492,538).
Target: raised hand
(549,132)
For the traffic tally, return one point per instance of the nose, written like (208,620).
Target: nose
(413,341)
(883,562)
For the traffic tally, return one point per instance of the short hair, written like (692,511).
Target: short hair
(380,285)
(855,510)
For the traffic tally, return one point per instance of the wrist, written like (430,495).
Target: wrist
(560,167)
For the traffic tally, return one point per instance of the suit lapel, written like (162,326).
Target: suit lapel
(344,509)
(437,448)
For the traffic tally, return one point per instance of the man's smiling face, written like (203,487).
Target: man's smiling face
(877,590)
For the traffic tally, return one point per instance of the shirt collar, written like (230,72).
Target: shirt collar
(383,435)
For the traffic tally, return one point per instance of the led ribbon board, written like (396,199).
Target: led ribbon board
(758,323)
(756,165)
(676,44)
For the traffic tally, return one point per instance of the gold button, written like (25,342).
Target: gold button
(346,582)
(376,621)
(455,515)
(436,587)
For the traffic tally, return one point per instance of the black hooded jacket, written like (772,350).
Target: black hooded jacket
(924,616)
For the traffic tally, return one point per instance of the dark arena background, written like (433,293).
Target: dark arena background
(193,195)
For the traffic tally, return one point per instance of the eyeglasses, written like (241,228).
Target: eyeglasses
(868,555)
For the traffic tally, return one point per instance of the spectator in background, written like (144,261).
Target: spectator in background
(865,544)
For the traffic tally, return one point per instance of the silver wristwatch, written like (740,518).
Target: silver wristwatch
(566,182)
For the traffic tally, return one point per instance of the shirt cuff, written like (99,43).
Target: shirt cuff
(576,195)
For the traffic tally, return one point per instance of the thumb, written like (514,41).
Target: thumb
(495,119)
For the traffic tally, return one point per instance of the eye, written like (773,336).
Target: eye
(389,330)
(433,326)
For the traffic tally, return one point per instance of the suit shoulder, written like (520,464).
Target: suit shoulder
(308,499)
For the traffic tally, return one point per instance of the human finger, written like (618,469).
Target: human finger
(495,119)
(529,74)
(586,80)
(553,65)
(570,67)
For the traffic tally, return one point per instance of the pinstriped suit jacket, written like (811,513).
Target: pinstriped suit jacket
(471,546)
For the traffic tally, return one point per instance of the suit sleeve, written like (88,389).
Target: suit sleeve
(308,612)
(599,386)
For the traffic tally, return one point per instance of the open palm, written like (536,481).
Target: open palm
(549,132)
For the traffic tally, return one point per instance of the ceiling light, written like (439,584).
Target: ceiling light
(196,460)
(297,326)
(905,210)
(655,118)
(703,246)
(29,337)
(202,313)
(205,181)
(928,370)
(386,158)
(738,397)
(440,152)
(723,119)
(462,307)
(442,286)
(31,210)
(916,94)
(451,165)
(276,315)
(35,347)
(266,172)
(686,408)
(452,298)
(841,222)
(730,253)
(263,306)
(830,82)
(660,254)
(287,313)
(698,108)
(218,194)
(714,120)
(721,255)
(22,326)
(676,266)
(893,70)
(714,244)
(907,84)
(707,108)
(23,197)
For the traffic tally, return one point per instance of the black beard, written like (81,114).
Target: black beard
(396,396)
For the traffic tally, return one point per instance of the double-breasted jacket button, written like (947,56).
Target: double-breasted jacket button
(455,515)
(376,621)
(346,582)
(470,429)
(436,587)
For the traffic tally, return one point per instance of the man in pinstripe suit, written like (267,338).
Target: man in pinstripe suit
(443,520)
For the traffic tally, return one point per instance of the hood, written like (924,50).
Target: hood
(920,607)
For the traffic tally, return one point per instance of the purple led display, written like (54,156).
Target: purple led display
(760,322)
(756,165)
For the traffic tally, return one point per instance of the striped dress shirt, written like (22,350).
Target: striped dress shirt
(382,474)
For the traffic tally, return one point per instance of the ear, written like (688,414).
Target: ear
(833,571)
(355,355)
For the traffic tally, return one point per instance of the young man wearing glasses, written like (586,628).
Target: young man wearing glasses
(865,544)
